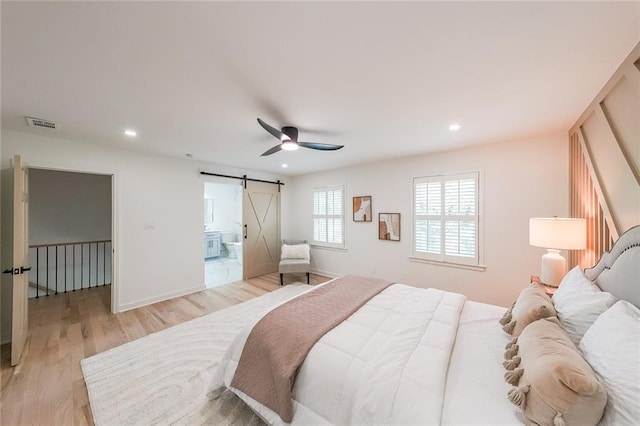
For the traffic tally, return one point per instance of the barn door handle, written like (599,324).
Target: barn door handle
(245,231)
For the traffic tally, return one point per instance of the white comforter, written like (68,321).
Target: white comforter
(386,364)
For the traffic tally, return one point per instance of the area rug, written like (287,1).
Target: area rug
(163,378)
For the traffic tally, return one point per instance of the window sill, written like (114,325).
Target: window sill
(313,246)
(479,268)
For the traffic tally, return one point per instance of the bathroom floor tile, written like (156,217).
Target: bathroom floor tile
(221,270)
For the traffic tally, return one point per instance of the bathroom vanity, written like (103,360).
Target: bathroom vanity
(212,242)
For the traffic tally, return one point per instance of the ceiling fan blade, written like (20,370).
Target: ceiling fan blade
(275,132)
(320,146)
(272,150)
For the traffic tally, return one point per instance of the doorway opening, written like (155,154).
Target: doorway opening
(223,233)
(70,232)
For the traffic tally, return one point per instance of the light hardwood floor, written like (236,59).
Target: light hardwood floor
(47,387)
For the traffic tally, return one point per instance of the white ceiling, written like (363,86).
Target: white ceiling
(384,79)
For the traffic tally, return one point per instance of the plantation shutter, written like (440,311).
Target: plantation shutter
(328,216)
(446,218)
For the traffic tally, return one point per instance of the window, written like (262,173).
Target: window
(328,216)
(446,219)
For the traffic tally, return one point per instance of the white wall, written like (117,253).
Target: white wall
(162,193)
(520,179)
(68,207)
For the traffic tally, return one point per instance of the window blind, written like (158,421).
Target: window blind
(446,218)
(328,216)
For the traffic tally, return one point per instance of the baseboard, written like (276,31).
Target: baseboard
(326,273)
(159,298)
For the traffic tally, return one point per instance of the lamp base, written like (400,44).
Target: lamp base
(554,267)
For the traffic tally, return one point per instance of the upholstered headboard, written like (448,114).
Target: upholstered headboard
(618,270)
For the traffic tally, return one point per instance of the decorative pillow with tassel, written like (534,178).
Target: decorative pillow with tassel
(532,304)
(552,383)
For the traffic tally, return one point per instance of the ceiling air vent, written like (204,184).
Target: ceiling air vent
(42,124)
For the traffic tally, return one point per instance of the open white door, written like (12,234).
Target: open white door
(261,216)
(19,255)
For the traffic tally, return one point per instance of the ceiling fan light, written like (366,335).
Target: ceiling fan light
(289,145)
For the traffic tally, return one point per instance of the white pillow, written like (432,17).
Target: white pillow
(612,347)
(572,283)
(581,310)
(579,302)
(297,251)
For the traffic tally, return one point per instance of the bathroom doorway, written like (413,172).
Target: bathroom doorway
(222,233)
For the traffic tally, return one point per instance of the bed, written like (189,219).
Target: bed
(425,356)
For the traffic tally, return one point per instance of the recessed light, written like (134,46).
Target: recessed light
(285,165)
(130,132)
(454,127)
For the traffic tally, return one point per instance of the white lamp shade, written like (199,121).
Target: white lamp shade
(558,233)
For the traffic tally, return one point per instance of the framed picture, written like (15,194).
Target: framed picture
(362,209)
(389,226)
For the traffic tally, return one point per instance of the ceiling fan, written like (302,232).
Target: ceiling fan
(289,140)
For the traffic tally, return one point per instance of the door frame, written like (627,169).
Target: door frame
(114,243)
(244,181)
(225,181)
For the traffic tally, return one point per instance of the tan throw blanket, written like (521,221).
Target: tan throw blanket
(279,343)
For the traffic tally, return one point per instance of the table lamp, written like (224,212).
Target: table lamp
(556,234)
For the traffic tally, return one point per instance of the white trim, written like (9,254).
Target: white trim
(442,257)
(328,245)
(480,207)
(160,298)
(114,246)
(480,268)
(114,220)
(329,248)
